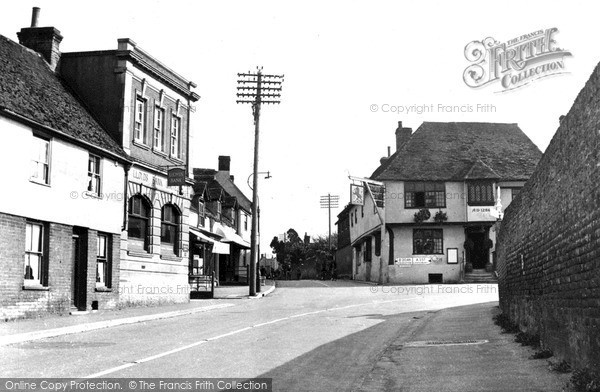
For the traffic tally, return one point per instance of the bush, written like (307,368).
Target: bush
(560,367)
(586,380)
(542,354)
(504,322)
(527,339)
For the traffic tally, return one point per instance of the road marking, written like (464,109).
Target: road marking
(438,343)
(237,331)
(319,282)
(50,333)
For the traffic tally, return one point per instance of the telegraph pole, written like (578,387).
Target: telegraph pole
(330,201)
(256,89)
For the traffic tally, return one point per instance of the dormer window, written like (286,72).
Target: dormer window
(481,194)
(424,195)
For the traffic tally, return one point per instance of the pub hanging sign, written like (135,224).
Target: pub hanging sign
(357,195)
(176,177)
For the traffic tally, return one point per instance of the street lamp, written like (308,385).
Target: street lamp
(257,251)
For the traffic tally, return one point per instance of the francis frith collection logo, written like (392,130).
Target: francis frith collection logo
(516,62)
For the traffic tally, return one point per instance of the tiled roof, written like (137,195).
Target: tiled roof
(223,181)
(455,151)
(29,88)
(215,193)
(229,202)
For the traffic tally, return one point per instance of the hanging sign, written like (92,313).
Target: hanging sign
(176,177)
(357,195)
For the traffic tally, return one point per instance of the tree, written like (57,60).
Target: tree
(295,254)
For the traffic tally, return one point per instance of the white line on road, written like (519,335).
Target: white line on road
(163,354)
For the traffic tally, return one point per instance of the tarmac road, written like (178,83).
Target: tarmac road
(309,336)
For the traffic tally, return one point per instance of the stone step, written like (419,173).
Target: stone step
(480,276)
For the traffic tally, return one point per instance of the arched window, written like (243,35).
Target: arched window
(169,226)
(139,220)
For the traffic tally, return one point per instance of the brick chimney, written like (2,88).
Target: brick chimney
(44,40)
(224,163)
(402,135)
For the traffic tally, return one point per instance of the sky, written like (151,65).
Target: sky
(347,66)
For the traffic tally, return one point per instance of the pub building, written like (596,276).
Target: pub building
(444,190)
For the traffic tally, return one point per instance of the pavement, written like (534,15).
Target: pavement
(460,349)
(18,331)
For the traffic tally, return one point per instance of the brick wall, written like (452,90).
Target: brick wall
(17,302)
(549,242)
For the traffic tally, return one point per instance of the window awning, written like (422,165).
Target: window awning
(218,246)
(201,236)
(221,248)
(230,236)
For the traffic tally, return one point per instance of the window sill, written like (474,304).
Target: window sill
(39,182)
(427,254)
(170,257)
(160,152)
(140,145)
(420,208)
(92,195)
(139,254)
(176,159)
(35,287)
(103,289)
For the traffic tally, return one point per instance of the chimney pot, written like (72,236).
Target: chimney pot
(35,15)
(389,151)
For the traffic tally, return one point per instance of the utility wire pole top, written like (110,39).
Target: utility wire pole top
(256,89)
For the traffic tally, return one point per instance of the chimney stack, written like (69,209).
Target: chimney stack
(44,40)
(402,135)
(224,162)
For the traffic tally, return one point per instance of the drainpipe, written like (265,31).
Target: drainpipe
(391,245)
(125,195)
(187,142)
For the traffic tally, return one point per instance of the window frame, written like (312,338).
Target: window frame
(34,161)
(41,254)
(477,193)
(422,237)
(174,139)
(138,216)
(103,262)
(97,175)
(432,194)
(158,128)
(173,224)
(140,112)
